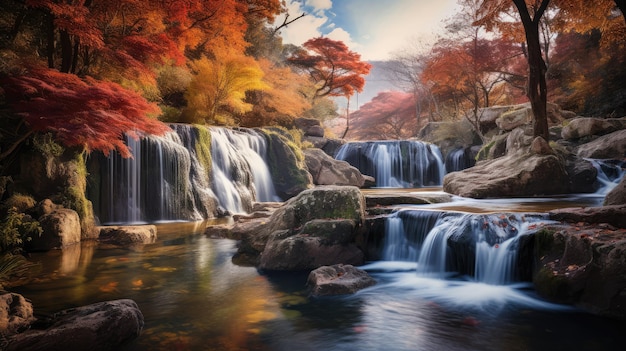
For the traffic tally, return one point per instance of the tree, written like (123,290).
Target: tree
(390,115)
(218,90)
(335,69)
(86,113)
(530,14)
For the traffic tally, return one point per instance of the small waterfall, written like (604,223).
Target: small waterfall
(186,174)
(397,164)
(459,159)
(610,173)
(484,246)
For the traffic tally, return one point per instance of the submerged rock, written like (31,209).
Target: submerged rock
(128,235)
(97,327)
(338,280)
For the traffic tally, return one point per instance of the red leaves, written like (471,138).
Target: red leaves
(336,70)
(390,115)
(86,113)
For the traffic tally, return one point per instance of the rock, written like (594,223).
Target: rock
(584,266)
(540,146)
(127,236)
(515,117)
(614,215)
(45,207)
(338,280)
(617,196)
(287,166)
(610,146)
(61,228)
(373,200)
(325,170)
(587,126)
(97,327)
(518,175)
(310,127)
(518,139)
(16,314)
(582,175)
(287,241)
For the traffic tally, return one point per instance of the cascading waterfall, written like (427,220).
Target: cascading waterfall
(610,172)
(398,164)
(458,160)
(187,174)
(484,246)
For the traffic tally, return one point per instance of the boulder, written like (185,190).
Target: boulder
(97,327)
(61,228)
(609,146)
(583,265)
(16,314)
(338,280)
(587,126)
(374,200)
(288,235)
(515,117)
(614,215)
(518,175)
(582,175)
(127,236)
(617,196)
(45,207)
(325,170)
(286,164)
(309,126)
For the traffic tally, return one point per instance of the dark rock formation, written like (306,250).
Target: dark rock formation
(338,280)
(609,146)
(617,196)
(328,171)
(97,327)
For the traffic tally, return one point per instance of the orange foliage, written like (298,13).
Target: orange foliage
(390,115)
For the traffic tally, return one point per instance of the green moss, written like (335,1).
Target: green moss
(20,202)
(203,148)
(45,144)
(483,154)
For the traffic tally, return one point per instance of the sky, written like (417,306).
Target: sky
(376,29)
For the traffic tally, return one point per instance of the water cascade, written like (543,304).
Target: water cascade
(397,164)
(187,174)
(459,159)
(610,172)
(486,247)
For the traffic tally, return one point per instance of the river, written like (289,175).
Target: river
(194,297)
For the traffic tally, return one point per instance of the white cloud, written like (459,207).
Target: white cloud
(320,5)
(302,29)
(342,35)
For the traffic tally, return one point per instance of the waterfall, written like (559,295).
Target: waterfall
(484,246)
(187,174)
(458,160)
(397,164)
(610,173)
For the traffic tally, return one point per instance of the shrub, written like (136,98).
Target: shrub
(16,229)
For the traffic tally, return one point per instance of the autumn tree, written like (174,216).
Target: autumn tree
(390,115)
(335,70)
(218,89)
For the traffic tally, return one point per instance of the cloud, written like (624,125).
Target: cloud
(320,5)
(342,35)
(304,28)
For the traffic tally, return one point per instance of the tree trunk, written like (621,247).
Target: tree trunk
(50,38)
(345,132)
(537,91)
(67,50)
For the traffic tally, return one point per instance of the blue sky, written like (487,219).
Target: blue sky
(374,28)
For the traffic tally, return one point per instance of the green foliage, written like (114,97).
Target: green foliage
(483,154)
(20,202)
(203,149)
(13,267)
(296,136)
(323,109)
(170,114)
(16,229)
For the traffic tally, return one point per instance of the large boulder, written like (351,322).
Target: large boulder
(581,127)
(617,196)
(315,228)
(517,175)
(286,164)
(326,170)
(16,314)
(583,265)
(609,146)
(338,279)
(61,228)
(97,327)
(309,127)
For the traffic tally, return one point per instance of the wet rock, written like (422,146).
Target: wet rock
(517,175)
(127,236)
(617,196)
(338,280)
(373,200)
(613,215)
(583,265)
(61,228)
(16,314)
(97,327)
(582,175)
(329,171)
(610,146)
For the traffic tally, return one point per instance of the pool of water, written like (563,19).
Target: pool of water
(194,297)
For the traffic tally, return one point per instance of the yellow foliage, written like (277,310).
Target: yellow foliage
(219,87)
